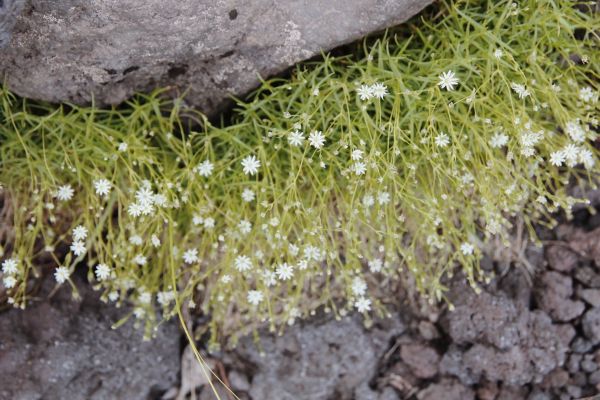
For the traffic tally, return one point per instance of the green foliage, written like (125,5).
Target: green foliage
(412,180)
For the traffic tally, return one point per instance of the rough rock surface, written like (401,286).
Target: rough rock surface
(9,11)
(75,49)
(62,349)
(319,361)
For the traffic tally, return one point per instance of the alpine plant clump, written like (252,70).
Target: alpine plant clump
(400,161)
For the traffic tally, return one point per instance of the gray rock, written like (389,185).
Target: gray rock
(76,50)
(61,349)
(9,10)
(591,325)
(561,258)
(553,294)
(318,360)
(421,359)
(446,390)
(590,296)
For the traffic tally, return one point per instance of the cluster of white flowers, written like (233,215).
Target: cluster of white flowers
(377,90)
(10,270)
(78,245)
(571,155)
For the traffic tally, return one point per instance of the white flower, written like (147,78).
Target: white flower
(368,200)
(527,151)
(113,296)
(269,278)
(587,94)
(571,154)
(164,298)
(226,278)
(205,168)
(251,165)
(102,187)
(383,198)
(499,140)
(102,272)
(363,304)
(79,233)
(575,131)
(356,155)
(519,89)
(442,140)
(255,297)
(316,139)
(285,271)
(123,147)
(134,210)
(365,92)
(248,195)
(379,90)
(498,53)
(61,274)
(360,168)
(155,241)
(78,248)
(359,287)
(136,240)
(312,253)
(245,226)
(467,248)
(140,259)
(448,80)
(242,263)
(209,223)
(296,138)
(190,256)
(9,266)
(557,158)
(9,281)
(376,265)
(586,157)
(144,196)
(64,193)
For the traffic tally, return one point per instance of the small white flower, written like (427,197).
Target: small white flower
(244,227)
(140,259)
(448,80)
(312,253)
(205,168)
(586,157)
(136,240)
(102,187)
(209,223)
(383,198)
(315,92)
(359,287)
(61,274)
(113,296)
(365,92)
(255,297)
(9,281)
(316,139)
(226,278)
(242,263)
(123,147)
(79,233)
(376,265)
(557,158)
(368,200)
(571,154)
(519,89)
(467,248)
(360,168)
(498,53)
(587,94)
(78,248)
(155,240)
(379,90)
(134,210)
(356,155)
(9,266)
(499,140)
(575,131)
(248,195)
(442,140)
(190,256)
(251,164)
(285,272)
(102,272)
(363,304)
(64,193)
(296,138)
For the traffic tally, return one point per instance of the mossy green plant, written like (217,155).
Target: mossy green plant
(399,161)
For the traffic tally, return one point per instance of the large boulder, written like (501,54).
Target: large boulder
(79,50)
(9,10)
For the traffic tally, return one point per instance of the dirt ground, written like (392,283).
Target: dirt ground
(532,333)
